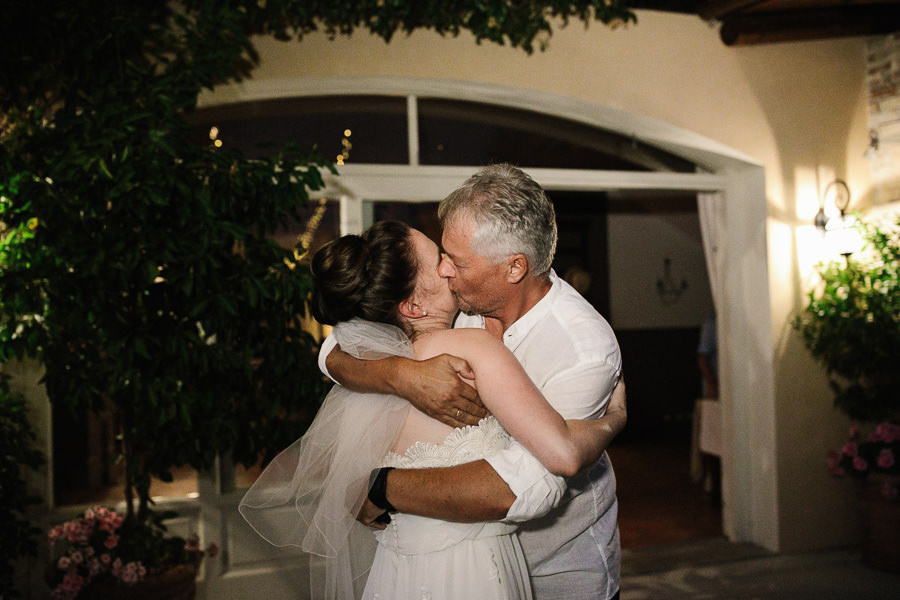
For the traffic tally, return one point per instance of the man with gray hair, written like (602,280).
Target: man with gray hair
(499,238)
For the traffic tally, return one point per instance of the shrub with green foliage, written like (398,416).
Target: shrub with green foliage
(852,326)
(17,453)
(137,265)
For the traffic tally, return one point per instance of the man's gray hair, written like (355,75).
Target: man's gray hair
(511,214)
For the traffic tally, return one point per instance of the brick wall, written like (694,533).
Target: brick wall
(883,80)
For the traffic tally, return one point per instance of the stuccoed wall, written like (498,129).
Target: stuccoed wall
(800,109)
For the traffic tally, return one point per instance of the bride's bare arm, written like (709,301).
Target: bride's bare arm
(564,448)
(607,427)
(433,386)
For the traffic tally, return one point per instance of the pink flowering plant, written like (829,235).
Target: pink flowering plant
(878,453)
(101,545)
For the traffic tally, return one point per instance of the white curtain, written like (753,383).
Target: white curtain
(711,209)
(706,435)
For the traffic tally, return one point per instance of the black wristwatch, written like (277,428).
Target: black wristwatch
(378,488)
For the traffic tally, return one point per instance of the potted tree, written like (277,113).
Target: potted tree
(852,327)
(135,263)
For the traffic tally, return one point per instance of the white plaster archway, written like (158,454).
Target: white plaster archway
(746,348)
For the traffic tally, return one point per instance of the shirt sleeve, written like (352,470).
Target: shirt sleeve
(583,391)
(328,344)
(537,490)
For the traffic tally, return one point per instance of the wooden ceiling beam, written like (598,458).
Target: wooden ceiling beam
(787,26)
(716,9)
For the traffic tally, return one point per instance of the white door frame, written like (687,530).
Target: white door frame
(745,347)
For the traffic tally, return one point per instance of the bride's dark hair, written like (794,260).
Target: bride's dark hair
(365,276)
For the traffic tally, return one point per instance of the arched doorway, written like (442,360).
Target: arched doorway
(736,185)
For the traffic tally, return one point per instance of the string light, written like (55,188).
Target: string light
(301,248)
(214,136)
(312,225)
(345,153)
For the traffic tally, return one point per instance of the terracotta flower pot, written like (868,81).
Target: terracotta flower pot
(880,523)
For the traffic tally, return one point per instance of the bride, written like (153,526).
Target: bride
(383,292)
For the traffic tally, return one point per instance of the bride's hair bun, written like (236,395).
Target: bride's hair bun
(364,276)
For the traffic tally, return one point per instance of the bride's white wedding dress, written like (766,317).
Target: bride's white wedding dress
(428,559)
(311,492)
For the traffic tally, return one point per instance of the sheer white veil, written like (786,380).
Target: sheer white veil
(310,493)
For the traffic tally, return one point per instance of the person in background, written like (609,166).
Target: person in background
(706,467)
(707,359)
(579,279)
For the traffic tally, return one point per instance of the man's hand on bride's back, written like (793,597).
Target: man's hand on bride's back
(435,388)
(369,515)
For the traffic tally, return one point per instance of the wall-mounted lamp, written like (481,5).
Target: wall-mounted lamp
(841,231)
(839,193)
(668,289)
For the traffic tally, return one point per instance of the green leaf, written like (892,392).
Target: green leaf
(104,169)
(141,348)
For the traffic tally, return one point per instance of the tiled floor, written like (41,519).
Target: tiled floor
(718,570)
(658,502)
(673,548)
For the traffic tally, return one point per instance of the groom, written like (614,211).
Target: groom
(499,238)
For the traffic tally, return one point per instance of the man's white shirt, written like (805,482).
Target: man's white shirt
(570,353)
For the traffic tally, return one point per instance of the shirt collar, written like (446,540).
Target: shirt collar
(518,331)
